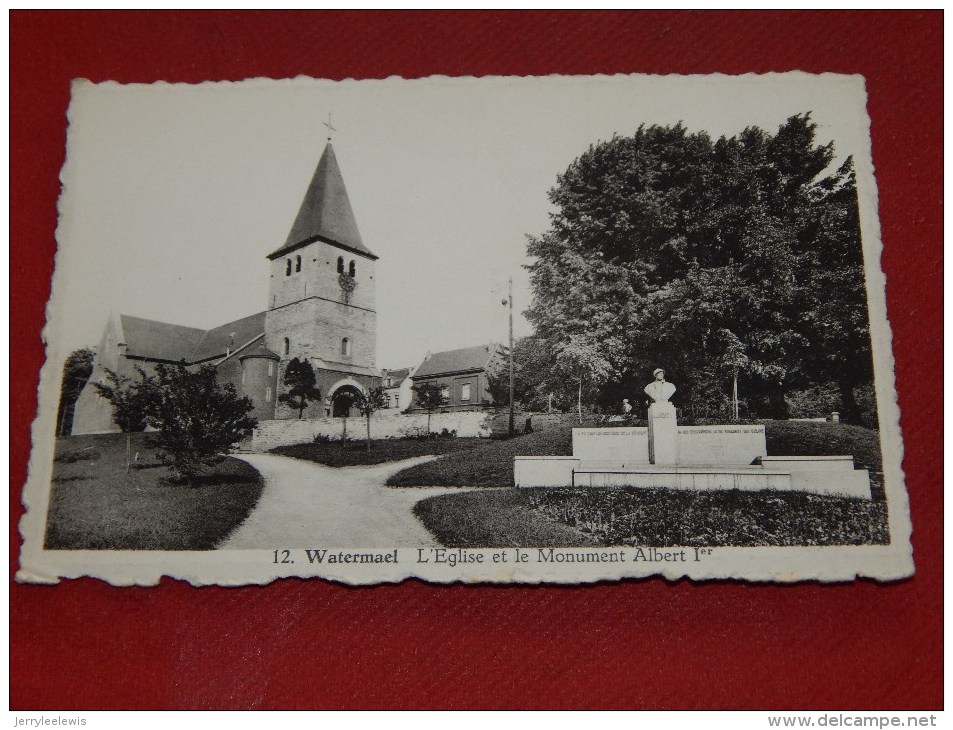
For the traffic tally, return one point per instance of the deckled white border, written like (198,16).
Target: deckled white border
(240,567)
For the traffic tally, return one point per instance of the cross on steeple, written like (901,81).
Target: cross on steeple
(328,125)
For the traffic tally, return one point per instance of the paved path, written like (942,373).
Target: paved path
(305,504)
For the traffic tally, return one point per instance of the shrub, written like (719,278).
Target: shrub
(198,419)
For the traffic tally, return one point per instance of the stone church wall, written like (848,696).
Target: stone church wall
(257,378)
(316,328)
(326,381)
(270,434)
(319,276)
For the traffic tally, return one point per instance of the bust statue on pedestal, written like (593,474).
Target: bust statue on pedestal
(660,390)
(663,428)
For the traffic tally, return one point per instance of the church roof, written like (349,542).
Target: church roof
(259,351)
(457,361)
(325,213)
(228,337)
(148,338)
(154,340)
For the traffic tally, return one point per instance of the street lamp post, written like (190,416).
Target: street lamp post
(509,301)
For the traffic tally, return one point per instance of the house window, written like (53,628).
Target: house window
(345,347)
(271,368)
(340,264)
(396,401)
(287,346)
(352,269)
(445,392)
(267,395)
(243,376)
(288,267)
(465,392)
(297,263)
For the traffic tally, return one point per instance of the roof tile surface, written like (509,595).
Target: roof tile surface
(325,213)
(455,361)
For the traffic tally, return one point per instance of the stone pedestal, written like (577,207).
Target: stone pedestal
(663,434)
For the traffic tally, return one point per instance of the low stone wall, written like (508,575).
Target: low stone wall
(270,434)
(540,421)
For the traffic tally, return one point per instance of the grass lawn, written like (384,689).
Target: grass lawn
(651,517)
(488,464)
(96,505)
(667,517)
(495,518)
(355,453)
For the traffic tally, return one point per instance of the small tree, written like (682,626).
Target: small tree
(343,400)
(130,399)
(302,385)
(582,360)
(369,402)
(76,371)
(429,397)
(199,420)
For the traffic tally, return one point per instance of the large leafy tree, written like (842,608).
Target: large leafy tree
(710,258)
(76,371)
(300,380)
(498,374)
(537,375)
(835,317)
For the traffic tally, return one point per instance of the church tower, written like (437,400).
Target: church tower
(321,304)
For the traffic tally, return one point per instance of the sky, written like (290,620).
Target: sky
(174,194)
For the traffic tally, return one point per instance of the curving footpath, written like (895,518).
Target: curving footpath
(304,503)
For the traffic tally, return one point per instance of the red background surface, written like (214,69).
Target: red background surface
(641,644)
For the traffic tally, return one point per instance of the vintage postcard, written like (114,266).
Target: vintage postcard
(560,329)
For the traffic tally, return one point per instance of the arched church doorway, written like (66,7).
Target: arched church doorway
(342,402)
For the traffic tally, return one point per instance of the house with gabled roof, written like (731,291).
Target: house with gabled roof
(462,375)
(321,308)
(397,384)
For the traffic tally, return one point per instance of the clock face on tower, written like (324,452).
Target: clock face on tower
(348,284)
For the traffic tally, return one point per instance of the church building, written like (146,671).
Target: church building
(321,307)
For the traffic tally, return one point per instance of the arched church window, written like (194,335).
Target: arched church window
(345,347)
(287,345)
(297,263)
(352,269)
(288,267)
(340,264)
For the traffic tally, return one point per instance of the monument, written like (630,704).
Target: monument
(663,426)
(729,456)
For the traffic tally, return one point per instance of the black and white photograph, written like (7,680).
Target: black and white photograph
(554,329)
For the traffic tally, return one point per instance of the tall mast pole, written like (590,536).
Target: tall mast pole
(512,414)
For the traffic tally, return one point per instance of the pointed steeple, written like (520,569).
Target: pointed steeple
(325,213)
